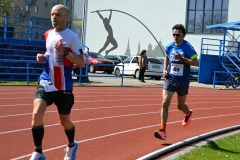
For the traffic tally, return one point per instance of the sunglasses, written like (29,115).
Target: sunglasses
(177,35)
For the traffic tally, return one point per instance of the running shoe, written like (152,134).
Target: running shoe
(160,134)
(71,152)
(187,120)
(37,156)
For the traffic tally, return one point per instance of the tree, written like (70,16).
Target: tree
(6,7)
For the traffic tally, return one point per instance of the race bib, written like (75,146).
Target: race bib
(48,86)
(177,69)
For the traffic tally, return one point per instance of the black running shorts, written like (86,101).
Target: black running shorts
(180,88)
(64,100)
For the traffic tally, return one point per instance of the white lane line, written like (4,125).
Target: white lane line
(114,107)
(118,133)
(111,95)
(110,117)
(86,120)
(16,98)
(13,98)
(21,92)
(14,105)
(93,101)
(91,139)
(84,109)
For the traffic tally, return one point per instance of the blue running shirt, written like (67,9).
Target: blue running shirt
(179,71)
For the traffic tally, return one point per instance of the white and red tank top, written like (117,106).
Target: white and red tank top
(57,74)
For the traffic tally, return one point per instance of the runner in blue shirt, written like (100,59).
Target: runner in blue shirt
(180,55)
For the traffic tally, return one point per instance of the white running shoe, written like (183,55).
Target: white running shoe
(37,156)
(71,152)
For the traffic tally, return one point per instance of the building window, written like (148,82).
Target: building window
(46,4)
(202,13)
(27,8)
(36,9)
(65,2)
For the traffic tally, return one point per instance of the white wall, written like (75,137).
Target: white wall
(234,10)
(77,17)
(158,15)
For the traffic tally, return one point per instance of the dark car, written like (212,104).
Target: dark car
(116,58)
(98,63)
(194,72)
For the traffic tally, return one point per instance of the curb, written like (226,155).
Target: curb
(194,146)
(158,153)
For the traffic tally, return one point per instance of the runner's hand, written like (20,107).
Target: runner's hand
(177,56)
(59,47)
(165,73)
(41,58)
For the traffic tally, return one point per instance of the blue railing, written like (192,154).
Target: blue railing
(210,46)
(20,41)
(216,81)
(23,28)
(228,58)
(28,70)
(19,70)
(233,58)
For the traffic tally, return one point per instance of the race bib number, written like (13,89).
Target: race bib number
(48,86)
(177,69)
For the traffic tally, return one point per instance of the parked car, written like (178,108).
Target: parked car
(193,69)
(116,58)
(161,59)
(96,62)
(194,72)
(154,68)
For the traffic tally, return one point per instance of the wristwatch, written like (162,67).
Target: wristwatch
(182,59)
(65,53)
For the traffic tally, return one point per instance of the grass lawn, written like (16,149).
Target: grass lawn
(227,148)
(17,83)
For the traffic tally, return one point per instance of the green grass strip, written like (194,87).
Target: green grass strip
(17,83)
(227,148)
(35,83)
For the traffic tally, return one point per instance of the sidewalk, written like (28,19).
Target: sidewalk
(129,81)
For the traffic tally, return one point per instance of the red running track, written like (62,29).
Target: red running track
(112,123)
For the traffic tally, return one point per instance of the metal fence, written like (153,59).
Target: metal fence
(26,70)
(17,63)
(23,28)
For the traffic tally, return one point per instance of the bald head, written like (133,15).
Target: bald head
(62,8)
(59,17)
